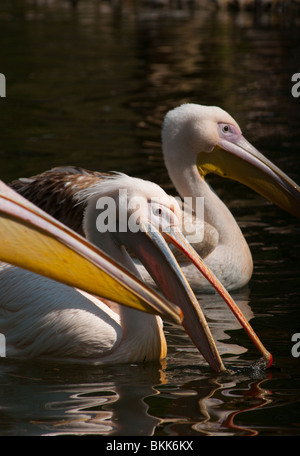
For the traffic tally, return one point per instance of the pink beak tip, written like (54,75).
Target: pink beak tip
(270,361)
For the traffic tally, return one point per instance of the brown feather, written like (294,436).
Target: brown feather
(54,191)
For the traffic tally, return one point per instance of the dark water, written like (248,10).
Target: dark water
(89,86)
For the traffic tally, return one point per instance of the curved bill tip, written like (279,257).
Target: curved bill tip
(152,250)
(175,237)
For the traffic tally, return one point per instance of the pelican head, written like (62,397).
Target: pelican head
(151,221)
(124,204)
(209,138)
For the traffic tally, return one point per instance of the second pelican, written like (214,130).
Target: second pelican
(198,140)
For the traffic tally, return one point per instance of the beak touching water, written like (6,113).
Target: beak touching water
(174,236)
(162,266)
(152,250)
(234,157)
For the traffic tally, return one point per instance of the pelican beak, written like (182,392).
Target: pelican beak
(237,159)
(33,240)
(152,250)
(174,236)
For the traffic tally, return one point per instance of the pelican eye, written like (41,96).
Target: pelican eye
(227,130)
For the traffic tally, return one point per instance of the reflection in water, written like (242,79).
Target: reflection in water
(129,400)
(210,410)
(89,87)
(255,394)
(105,401)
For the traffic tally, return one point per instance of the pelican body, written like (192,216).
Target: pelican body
(51,321)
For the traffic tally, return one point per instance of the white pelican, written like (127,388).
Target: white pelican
(198,140)
(60,322)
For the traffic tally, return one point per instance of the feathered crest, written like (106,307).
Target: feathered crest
(115,182)
(104,186)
